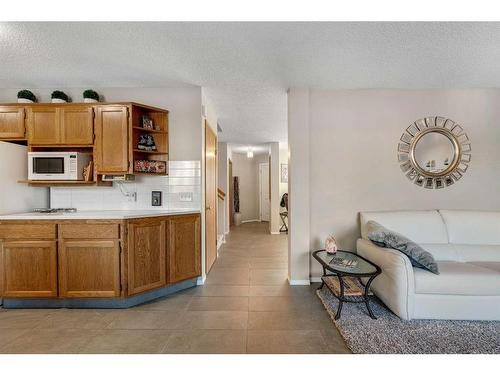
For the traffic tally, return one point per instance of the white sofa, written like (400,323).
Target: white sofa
(466,246)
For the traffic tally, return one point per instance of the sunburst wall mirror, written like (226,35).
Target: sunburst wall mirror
(434,152)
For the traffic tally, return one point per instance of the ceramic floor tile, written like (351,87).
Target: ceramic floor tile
(268,276)
(229,276)
(77,318)
(289,342)
(56,341)
(281,320)
(282,303)
(7,335)
(13,318)
(222,290)
(136,319)
(207,341)
(213,320)
(176,302)
(219,304)
(127,341)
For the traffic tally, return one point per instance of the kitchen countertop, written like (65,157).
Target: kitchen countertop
(96,215)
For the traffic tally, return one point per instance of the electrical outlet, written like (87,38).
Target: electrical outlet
(156,198)
(186,197)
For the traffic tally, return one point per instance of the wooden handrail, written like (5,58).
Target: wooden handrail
(221,194)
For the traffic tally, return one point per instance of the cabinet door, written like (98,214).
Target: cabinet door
(30,268)
(43,126)
(184,252)
(11,122)
(89,268)
(146,255)
(112,139)
(77,125)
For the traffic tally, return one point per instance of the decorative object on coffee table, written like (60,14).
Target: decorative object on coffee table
(59,97)
(90,96)
(331,245)
(147,123)
(26,96)
(348,268)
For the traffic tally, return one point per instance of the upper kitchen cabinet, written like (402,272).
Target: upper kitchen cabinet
(112,151)
(12,126)
(77,125)
(68,125)
(43,125)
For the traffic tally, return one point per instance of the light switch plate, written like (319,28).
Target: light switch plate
(186,196)
(156,198)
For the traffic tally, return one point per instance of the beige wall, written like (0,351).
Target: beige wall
(283,160)
(248,172)
(353,167)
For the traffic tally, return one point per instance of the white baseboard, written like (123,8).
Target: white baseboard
(275,233)
(201,280)
(249,221)
(315,279)
(299,282)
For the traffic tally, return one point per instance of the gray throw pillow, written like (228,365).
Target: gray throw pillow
(387,238)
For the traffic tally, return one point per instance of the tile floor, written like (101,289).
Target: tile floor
(246,306)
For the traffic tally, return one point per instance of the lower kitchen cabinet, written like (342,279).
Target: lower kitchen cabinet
(89,268)
(30,268)
(184,250)
(146,255)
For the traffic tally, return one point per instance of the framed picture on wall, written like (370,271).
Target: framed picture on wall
(284,173)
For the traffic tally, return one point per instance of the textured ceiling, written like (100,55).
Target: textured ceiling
(246,68)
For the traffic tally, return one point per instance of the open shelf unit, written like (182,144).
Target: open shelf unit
(159,134)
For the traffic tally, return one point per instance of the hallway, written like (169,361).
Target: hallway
(246,306)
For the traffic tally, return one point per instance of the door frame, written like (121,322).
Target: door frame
(260,192)
(209,129)
(231,194)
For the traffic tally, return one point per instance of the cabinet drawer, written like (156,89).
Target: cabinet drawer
(89,231)
(27,231)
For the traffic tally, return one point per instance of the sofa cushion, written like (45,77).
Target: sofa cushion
(386,238)
(442,251)
(457,278)
(420,226)
(495,266)
(472,227)
(477,253)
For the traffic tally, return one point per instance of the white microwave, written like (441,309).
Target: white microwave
(57,165)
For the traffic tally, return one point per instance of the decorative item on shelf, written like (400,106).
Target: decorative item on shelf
(147,122)
(90,96)
(146,143)
(150,166)
(331,245)
(87,171)
(26,96)
(59,97)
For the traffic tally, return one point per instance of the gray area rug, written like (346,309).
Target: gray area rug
(391,335)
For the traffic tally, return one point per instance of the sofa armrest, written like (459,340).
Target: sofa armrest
(395,286)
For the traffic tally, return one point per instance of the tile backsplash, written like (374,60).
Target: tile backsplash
(181,189)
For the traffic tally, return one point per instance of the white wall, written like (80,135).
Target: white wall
(16,197)
(274,224)
(353,167)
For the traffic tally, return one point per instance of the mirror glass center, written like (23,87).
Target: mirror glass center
(434,152)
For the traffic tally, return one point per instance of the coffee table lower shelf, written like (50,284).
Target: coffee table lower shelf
(348,289)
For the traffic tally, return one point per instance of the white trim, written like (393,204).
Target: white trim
(315,279)
(201,280)
(249,221)
(275,233)
(299,282)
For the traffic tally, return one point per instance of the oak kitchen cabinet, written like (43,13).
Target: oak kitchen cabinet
(184,250)
(146,255)
(68,259)
(12,122)
(60,125)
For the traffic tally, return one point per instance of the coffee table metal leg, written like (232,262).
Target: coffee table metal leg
(341,297)
(367,297)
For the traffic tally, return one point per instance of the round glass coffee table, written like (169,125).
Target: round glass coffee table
(342,273)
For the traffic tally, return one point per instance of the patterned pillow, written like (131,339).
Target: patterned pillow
(386,238)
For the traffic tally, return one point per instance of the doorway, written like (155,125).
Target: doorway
(210,197)
(264,192)
(231,194)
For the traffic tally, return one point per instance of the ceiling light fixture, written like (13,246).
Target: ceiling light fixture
(249,153)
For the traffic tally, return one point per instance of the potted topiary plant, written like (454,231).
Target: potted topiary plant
(59,97)
(90,96)
(26,96)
